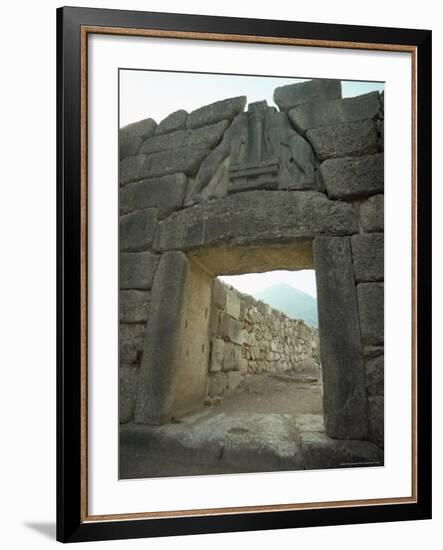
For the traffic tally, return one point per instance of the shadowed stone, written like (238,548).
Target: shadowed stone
(183,159)
(127,391)
(231,329)
(344,391)
(352,178)
(130,168)
(143,129)
(137,230)
(219,294)
(372,214)
(134,305)
(352,139)
(292,95)
(217,354)
(207,136)
(226,109)
(376,419)
(256,217)
(217,383)
(137,270)
(334,112)
(165,193)
(375,376)
(130,146)
(368,256)
(371,308)
(131,341)
(174,121)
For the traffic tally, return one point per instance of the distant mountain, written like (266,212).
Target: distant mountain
(294,303)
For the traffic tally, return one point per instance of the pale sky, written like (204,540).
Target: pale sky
(156,94)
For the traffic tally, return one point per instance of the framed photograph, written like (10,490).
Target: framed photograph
(244,270)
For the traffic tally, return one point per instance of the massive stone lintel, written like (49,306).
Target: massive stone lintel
(256,217)
(299,93)
(172,379)
(344,397)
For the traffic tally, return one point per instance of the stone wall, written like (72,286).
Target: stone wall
(249,337)
(309,175)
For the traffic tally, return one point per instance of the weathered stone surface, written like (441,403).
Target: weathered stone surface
(375,376)
(229,356)
(134,305)
(137,270)
(207,136)
(217,354)
(143,129)
(219,294)
(217,383)
(174,121)
(131,341)
(372,213)
(256,217)
(127,391)
(368,256)
(292,95)
(352,178)
(370,352)
(344,140)
(231,329)
(220,110)
(137,230)
(344,391)
(376,420)
(157,371)
(234,379)
(233,305)
(338,111)
(183,159)
(165,193)
(371,308)
(130,146)
(130,168)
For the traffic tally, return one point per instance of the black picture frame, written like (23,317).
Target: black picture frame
(72,523)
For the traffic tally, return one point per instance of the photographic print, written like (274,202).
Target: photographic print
(251,262)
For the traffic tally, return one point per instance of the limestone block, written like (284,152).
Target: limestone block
(292,95)
(226,109)
(353,178)
(130,168)
(228,356)
(130,146)
(207,136)
(371,309)
(231,329)
(131,341)
(372,213)
(164,193)
(256,217)
(134,305)
(219,294)
(233,305)
(344,390)
(137,230)
(217,354)
(182,159)
(217,383)
(344,140)
(375,376)
(127,392)
(333,112)
(174,121)
(143,129)
(137,269)
(368,257)
(234,379)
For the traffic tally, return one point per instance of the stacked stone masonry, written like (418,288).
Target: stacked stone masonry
(249,337)
(308,173)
